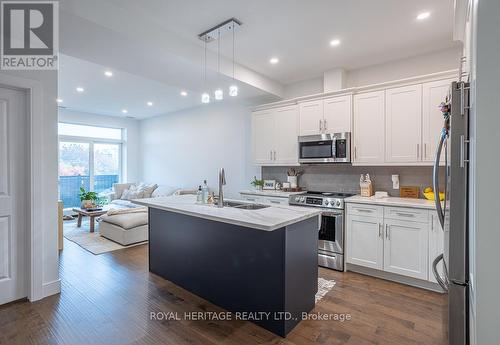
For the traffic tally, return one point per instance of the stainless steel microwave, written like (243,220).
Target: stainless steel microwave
(325,148)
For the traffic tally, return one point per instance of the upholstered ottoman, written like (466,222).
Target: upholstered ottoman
(126,228)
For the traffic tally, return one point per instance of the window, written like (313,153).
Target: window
(89,157)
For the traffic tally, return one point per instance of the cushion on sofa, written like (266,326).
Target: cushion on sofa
(118,189)
(145,190)
(119,203)
(163,190)
(127,221)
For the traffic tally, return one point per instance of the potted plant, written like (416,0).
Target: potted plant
(258,184)
(88,199)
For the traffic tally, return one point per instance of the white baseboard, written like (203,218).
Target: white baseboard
(51,288)
(423,284)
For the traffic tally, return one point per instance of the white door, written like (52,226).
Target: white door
(338,114)
(263,137)
(369,127)
(311,117)
(406,248)
(286,123)
(433,94)
(365,243)
(403,124)
(436,246)
(14,207)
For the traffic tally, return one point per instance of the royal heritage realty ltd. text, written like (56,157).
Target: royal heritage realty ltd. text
(245,316)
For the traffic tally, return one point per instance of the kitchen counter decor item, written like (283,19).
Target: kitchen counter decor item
(366,185)
(257,184)
(269,184)
(292,177)
(430,195)
(409,192)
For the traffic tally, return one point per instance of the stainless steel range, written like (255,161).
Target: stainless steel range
(331,233)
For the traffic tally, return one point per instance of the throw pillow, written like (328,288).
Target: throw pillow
(131,193)
(145,190)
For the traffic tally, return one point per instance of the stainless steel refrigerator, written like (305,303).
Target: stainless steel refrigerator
(453,215)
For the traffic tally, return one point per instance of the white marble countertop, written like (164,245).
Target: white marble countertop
(268,219)
(273,193)
(392,201)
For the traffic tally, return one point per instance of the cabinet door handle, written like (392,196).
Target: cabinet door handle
(387,232)
(324,125)
(271,155)
(405,214)
(355,152)
(380,230)
(425,150)
(418,151)
(274,202)
(320,126)
(364,210)
(274,155)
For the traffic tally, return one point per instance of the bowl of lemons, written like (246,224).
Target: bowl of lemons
(430,195)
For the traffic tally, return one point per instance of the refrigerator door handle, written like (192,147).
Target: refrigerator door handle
(435,186)
(443,283)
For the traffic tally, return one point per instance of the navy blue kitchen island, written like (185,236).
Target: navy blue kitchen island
(267,270)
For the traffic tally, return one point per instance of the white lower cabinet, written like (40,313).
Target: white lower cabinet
(397,240)
(365,245)
(405,248)
(436,246)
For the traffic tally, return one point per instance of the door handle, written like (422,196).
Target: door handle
(387,232)
(320,126)
(271,155)
(418,151)
(274,154)
(425,150)
(324,124)
(380,230)
(355,152)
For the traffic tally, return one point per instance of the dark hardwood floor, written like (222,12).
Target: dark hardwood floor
(107,299)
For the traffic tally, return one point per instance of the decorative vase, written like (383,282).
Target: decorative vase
(87,204)
(293,181)
(258,188)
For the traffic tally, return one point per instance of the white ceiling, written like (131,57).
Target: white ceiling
(110,95)
(154,45)
(299,31)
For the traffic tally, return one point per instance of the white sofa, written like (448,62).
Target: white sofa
(130,228)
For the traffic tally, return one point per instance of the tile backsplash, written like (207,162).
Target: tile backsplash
(345,177)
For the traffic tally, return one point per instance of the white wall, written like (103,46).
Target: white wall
(50,253)
(184,148)
(130,159)
(419,65)
(487,170)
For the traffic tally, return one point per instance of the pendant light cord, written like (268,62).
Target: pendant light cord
(233,51)
(218,54)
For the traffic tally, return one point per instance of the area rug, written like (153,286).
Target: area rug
(324,286)
(92,242)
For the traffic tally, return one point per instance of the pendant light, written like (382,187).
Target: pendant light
(233,89)
(219,94)
(205,97)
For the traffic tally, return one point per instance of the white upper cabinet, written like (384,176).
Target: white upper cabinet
(403,124)
(274,136)
(369,127)
(433,94)
(263,137)
(337,114)
(311,117)
(286,135)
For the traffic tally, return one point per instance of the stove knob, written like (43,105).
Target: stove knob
(297,198)
(302,198)
(338,203)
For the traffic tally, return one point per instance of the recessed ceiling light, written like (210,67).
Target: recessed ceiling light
(334,42)
(108,73)
(80,89)
(150,104)
(184,93)
(59,100)
(274,60)
(423,15)
(124,111)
